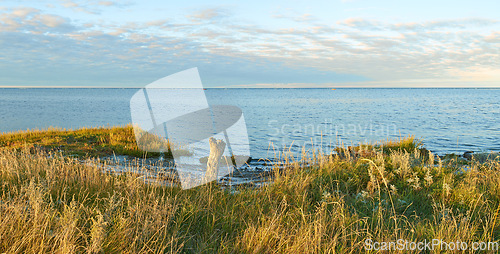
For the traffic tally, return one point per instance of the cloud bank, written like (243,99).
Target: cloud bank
(43,48)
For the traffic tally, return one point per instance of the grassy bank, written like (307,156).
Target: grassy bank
(383,193)
(81,143)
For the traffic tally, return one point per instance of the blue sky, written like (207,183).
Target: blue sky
(342,43)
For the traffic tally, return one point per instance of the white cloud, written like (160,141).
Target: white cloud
(381,51)
(106,3)
(460,24)
(50,20)
(494,37)
(306,17)
(209,14)
(32,20)
(360,23)
(91,6)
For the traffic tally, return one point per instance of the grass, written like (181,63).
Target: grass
(83,143)
(55,204)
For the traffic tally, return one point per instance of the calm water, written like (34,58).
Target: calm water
(448,120)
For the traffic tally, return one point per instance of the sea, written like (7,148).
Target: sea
(294,120)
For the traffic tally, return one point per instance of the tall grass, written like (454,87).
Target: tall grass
(54,204)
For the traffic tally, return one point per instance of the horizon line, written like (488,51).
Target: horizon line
(257,87)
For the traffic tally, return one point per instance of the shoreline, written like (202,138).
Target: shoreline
(114,149)
(128,146)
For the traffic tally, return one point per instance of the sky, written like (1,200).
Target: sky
(239,44)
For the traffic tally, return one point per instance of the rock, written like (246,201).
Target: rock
(240,160)
(468,155)
(451,156)
(217,148)
(485,157)
(424,152)
(482,157)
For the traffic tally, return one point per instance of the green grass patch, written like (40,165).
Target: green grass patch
(81,143)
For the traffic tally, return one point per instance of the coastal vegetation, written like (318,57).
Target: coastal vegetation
(51,202)
(84,142)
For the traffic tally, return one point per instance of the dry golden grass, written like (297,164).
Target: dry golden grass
(55,204)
